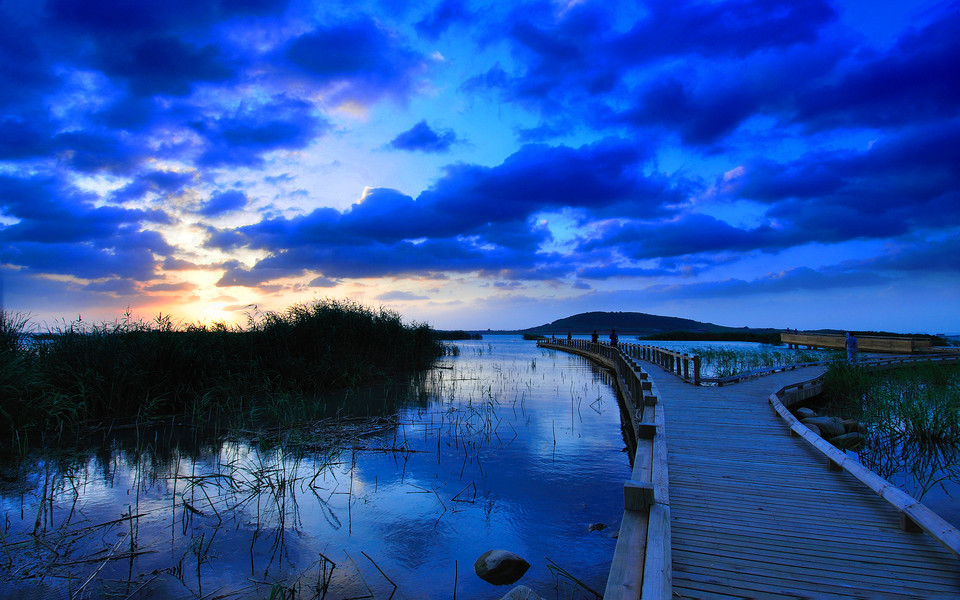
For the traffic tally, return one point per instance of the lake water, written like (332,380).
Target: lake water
(504,446)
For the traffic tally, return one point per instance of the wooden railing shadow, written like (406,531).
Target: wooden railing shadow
(641,566)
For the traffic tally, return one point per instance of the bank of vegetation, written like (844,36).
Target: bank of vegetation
(920,403)
(79,376)
(720,361)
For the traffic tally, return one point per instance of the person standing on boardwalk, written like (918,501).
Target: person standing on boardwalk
(852,347)
(595,337)
(613,338)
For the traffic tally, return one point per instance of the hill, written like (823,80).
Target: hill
(627,323)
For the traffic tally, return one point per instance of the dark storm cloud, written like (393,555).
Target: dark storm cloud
(375,260)
(92,151)
(360,54)
(158,182)
(25,136)
(901,183)
(611,271)
(59,230)
(241,138)
(443,16)
(915,81)
(223,202)
(120,16)
(164,65)
(472,219)
(423,138)
(789,281)
(689,234)
(697,118)
(736,28)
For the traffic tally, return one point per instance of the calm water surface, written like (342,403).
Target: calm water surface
(505,446)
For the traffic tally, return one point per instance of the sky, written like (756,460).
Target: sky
(475,165)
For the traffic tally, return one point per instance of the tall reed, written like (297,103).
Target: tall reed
(133,369)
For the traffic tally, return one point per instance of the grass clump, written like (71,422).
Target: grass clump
(920,403)
(729,361)
(133,369)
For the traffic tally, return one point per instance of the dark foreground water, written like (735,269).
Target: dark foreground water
(505,446)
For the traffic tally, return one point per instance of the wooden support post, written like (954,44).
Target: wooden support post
(696,370)
(908,524)
(649,400)
(638,495)
(646,431)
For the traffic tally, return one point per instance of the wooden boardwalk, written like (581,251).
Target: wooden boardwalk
(756,513)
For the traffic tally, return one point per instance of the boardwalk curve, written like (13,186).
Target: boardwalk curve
(757,513)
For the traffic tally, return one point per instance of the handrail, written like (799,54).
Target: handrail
(913,514)
(641,565)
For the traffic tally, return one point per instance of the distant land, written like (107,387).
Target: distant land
(631,323)
(649,326)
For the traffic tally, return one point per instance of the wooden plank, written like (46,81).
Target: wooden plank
(626,571)
(658,565)
(752,512)
(637,495)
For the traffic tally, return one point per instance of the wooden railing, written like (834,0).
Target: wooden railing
(913,514)
(641,566)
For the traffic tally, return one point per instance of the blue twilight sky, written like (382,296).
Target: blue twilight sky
(484,164)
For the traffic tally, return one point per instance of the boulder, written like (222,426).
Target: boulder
(500,567)
(847,440)
(805,413)
(521,592)
(850,425)
(830,427)
(813,428)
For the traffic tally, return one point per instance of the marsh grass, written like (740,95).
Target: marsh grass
(278,365)
(726,361)
(913,418)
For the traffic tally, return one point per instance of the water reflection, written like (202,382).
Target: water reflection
(505,446)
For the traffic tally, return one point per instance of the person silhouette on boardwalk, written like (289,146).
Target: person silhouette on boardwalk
(595,337)
(852,347)
(613,338)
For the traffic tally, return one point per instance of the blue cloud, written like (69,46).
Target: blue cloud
(361,55)
(165,65)
(159,182)
(444,15)
(223,202)
(242,138)
(421,137)
(914,82)
(56,222)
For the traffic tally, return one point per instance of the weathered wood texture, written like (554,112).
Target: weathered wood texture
(756,513)
(866,343)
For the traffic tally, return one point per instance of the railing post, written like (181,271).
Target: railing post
(696,369)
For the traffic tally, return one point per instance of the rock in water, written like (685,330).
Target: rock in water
(500,567)
(806,413)
(521,592)
(829,426)
(596,527)
(847,440)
